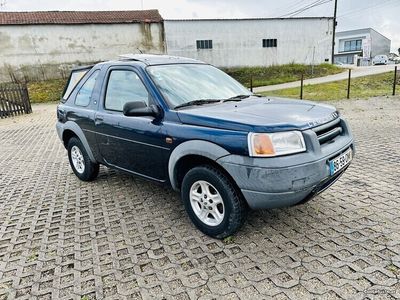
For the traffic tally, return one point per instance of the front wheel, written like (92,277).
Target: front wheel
(212,202)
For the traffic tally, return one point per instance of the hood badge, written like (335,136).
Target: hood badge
(324,120)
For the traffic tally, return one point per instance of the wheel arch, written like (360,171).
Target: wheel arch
(71,129)
(194,153)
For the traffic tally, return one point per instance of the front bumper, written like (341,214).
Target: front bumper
(287,180)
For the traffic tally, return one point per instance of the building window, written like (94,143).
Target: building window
(354,45)
(204,44)
(269,43)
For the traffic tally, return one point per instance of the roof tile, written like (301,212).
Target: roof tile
(80,17)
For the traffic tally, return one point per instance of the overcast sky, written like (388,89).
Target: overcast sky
(382,15)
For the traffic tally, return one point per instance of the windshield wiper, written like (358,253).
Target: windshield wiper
(197,102)
(236,98)
(241,97)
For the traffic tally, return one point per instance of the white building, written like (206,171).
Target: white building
(34,44)
(251,42)
(364,43)
(45,44)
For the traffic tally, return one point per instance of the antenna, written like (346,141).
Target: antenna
(141,52)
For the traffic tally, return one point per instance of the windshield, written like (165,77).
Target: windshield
(182,83)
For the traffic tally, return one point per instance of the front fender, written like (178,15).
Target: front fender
(69,125)
(194,147)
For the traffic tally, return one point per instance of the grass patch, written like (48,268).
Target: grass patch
(361,87)
(229,240)
(280,74)
(46,91)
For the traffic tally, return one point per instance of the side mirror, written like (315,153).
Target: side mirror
(140,109)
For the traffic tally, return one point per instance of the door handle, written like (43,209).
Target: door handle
(98,119)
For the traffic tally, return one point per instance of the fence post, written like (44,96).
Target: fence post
(26,99)
(395,81)
(348,85)
(251,83)
(301,86)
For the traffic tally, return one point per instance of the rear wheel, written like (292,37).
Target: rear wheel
(212,202)
(80,162)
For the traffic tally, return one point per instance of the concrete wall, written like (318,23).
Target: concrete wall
(37,51)
(239,42)
(379,44)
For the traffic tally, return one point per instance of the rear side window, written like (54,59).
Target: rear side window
(124,86)
(85,92)
(75,77)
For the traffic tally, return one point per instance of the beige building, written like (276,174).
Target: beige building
(40,45)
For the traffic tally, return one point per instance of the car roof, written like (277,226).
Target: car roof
(158,59)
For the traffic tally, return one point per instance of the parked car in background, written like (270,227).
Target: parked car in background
(394,58)
(380,60)
(186,124)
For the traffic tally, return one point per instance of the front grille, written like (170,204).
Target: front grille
(327,132)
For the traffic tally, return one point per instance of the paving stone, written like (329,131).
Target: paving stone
(120,237)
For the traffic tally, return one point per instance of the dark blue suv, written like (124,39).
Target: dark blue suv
(184,123)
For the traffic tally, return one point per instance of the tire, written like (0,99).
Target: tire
(85,169)
(204,183)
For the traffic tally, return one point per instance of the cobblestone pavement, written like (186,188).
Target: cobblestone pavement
(121,237)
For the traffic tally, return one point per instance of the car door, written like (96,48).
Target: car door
(134,144)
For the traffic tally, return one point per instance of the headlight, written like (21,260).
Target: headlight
(275,144)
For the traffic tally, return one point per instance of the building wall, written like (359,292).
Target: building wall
(37,51)
(239,42)
(339,44)
(379,44)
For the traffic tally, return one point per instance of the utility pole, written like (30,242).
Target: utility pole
(334,32)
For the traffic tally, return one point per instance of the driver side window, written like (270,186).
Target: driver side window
(124,86)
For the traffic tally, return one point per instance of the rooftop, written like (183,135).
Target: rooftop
(251,19)
(358,31)
(80,17)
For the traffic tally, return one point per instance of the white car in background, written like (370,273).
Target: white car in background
(394,58)
(380,60)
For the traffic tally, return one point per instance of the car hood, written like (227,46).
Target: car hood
(258,114)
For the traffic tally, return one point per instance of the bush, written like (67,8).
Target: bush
(46,91)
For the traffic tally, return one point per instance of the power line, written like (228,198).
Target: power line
(291,6)
(318,4)
(356,11)
(305,8)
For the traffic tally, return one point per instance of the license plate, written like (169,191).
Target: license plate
(338,163)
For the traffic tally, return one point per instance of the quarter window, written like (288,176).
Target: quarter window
(270,43)
(124,86)
(204,44)
(85,93)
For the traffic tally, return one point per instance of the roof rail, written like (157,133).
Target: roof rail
(128,56)
(154,59)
